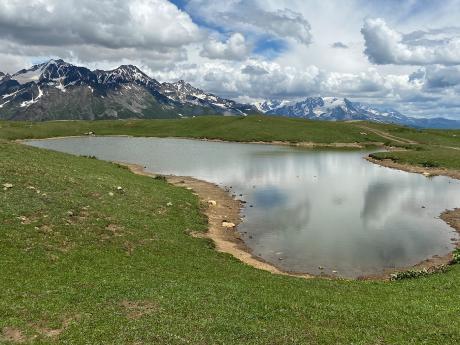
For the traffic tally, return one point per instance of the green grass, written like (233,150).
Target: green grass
(74,255)
(426,136)
(434,157)
(251,128)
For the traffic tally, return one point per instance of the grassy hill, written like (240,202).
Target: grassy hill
(85,263)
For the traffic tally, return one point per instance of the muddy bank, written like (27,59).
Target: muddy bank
(223,214)
(415,169)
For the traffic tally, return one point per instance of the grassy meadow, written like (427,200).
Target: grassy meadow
(85,262)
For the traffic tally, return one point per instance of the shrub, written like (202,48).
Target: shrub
(456,256)
(410,274)
(160,178)
(429,164)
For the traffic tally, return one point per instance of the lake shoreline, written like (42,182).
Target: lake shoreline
(223,208)
(426,171)
(301,144)
(227,210)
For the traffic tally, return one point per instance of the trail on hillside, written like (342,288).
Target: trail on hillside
(389,136)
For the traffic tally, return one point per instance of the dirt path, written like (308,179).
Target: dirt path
(389,136)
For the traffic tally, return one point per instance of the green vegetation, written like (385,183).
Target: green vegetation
(231,128)
(456,256)
(92,254)
(436,148)
(411,274)
(85,262)
(430,157)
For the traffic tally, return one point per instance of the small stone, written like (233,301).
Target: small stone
(320,267)
(7,186)
(423,207)
(120,188)
(212,202)
(70,213)
(228,225)
(169,204)
(334,272)
(111,194)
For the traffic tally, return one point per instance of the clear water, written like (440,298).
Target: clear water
(310,209)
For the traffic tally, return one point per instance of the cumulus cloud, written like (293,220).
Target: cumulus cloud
(235,48)
(251,15)
(262,79)
(149,32)
(438,77)
(385,45)
(108,23)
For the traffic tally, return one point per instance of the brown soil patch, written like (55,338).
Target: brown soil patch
(137,309)
(13,335)
(54,332)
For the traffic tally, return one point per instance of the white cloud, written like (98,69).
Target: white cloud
(262,79)
(235,48)
(387,46)
(153,33)
(107,23)
(252,16)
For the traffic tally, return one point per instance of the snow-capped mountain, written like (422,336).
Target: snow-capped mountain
(342,109)
(271,105)
(59,90)
(184,92)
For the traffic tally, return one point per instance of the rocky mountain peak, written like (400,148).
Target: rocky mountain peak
(58,90)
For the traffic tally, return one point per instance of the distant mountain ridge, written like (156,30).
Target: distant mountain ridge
(342,109)
(57,90)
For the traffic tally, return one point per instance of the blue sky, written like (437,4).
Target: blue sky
(396,53)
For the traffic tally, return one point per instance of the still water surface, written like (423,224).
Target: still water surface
(311,209)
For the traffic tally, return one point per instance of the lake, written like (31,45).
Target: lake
(310,211)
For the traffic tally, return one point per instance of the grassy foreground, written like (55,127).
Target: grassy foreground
(80,266)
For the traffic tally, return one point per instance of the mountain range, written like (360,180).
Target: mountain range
(57,90)
(342,109)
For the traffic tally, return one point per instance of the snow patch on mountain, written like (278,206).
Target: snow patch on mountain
(271,105)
